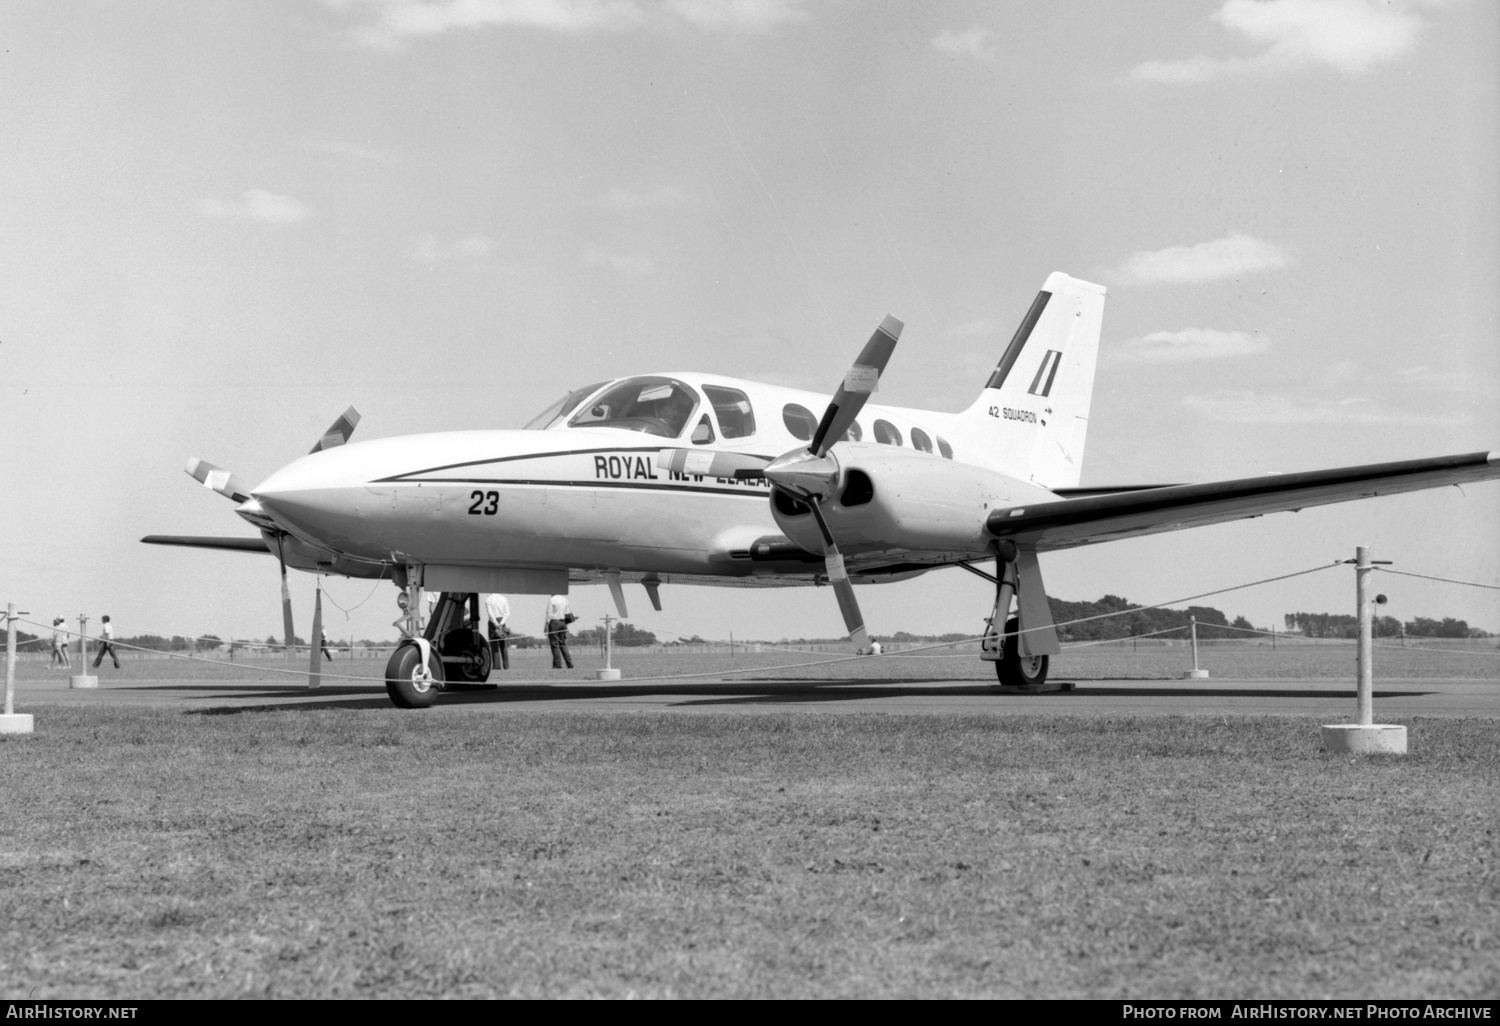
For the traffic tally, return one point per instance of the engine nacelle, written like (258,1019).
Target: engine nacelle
(893,498)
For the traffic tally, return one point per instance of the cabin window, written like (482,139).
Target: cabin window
(887,433)
(919,440)
(732,407)
(799,420)
(656,406)
(560,409)
(854,434)
(704,432)
(945,448)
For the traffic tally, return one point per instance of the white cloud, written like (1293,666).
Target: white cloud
(470,247)
(1350,36)
(1243,407)
(257,205)
(633,264)
(974,42)
(621,198)
(1192,344)
(1229,257)
(389,23)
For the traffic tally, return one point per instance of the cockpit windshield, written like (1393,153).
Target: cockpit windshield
(657,406)
(560,409)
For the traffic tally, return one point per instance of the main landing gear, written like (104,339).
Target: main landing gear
(455,654)
(1021,657)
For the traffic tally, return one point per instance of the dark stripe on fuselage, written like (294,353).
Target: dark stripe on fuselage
(552,483)
(528,456)
(1018,341)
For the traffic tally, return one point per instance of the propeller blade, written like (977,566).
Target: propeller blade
(862,379)
(286,600)
(708,463)
(338,432)
(217,479)
(843,588)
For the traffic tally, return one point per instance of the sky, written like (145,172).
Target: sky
(223,223)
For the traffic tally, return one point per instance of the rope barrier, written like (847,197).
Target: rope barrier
(1445,580)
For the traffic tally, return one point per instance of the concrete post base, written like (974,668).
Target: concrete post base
(1358,739)
(16,723)
(606,674)
(1195,675)
(83,681)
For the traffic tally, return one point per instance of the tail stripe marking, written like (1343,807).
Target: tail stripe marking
(1013,351)
(1048,369)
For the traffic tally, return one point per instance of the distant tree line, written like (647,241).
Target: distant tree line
(1211,622)
(1337,625)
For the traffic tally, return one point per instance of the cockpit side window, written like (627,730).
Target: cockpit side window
(560,409)
(732,407)
(656,406)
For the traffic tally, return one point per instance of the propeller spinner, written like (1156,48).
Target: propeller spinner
(812,474)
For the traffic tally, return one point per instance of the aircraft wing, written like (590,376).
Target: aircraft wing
(1084,521)
(199,542)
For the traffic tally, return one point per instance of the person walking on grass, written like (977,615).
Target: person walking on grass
(106,642)
(558,618)
(59,647)
(327,649)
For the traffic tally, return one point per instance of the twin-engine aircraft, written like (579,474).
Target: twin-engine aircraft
(689,478)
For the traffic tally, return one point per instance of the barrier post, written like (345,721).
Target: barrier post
(83,679)
(1365,737)
(1194,673)
(12,722)
(609,672)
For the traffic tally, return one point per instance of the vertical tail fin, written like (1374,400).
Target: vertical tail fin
(1033,415)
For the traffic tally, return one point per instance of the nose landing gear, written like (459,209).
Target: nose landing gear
(452,653)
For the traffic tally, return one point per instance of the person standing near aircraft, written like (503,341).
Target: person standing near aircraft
(558,618)
(497,608)
(59,647)
(106,642)
(323,641)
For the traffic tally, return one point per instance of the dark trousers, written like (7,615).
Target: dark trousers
(557,637)
(104,647)
(499,650)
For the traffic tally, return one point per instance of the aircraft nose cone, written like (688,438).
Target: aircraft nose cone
(311,498)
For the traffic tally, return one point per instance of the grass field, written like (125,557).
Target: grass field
(1480,660)
(151,853)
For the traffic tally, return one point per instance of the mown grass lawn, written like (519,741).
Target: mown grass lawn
(153,853)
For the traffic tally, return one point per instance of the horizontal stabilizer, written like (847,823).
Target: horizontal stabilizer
(200,542)
(1083,521)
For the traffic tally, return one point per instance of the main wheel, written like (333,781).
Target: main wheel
(1014,669)
(408,682)
(474,650)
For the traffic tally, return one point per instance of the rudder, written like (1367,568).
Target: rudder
(1032,416)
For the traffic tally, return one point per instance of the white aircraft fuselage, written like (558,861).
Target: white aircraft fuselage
(600,499)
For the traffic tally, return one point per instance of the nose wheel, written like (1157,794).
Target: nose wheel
(411,684)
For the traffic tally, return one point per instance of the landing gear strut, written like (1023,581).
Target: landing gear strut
(1021,660)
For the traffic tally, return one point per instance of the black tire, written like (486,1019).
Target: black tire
(405,691)
(1015,670)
